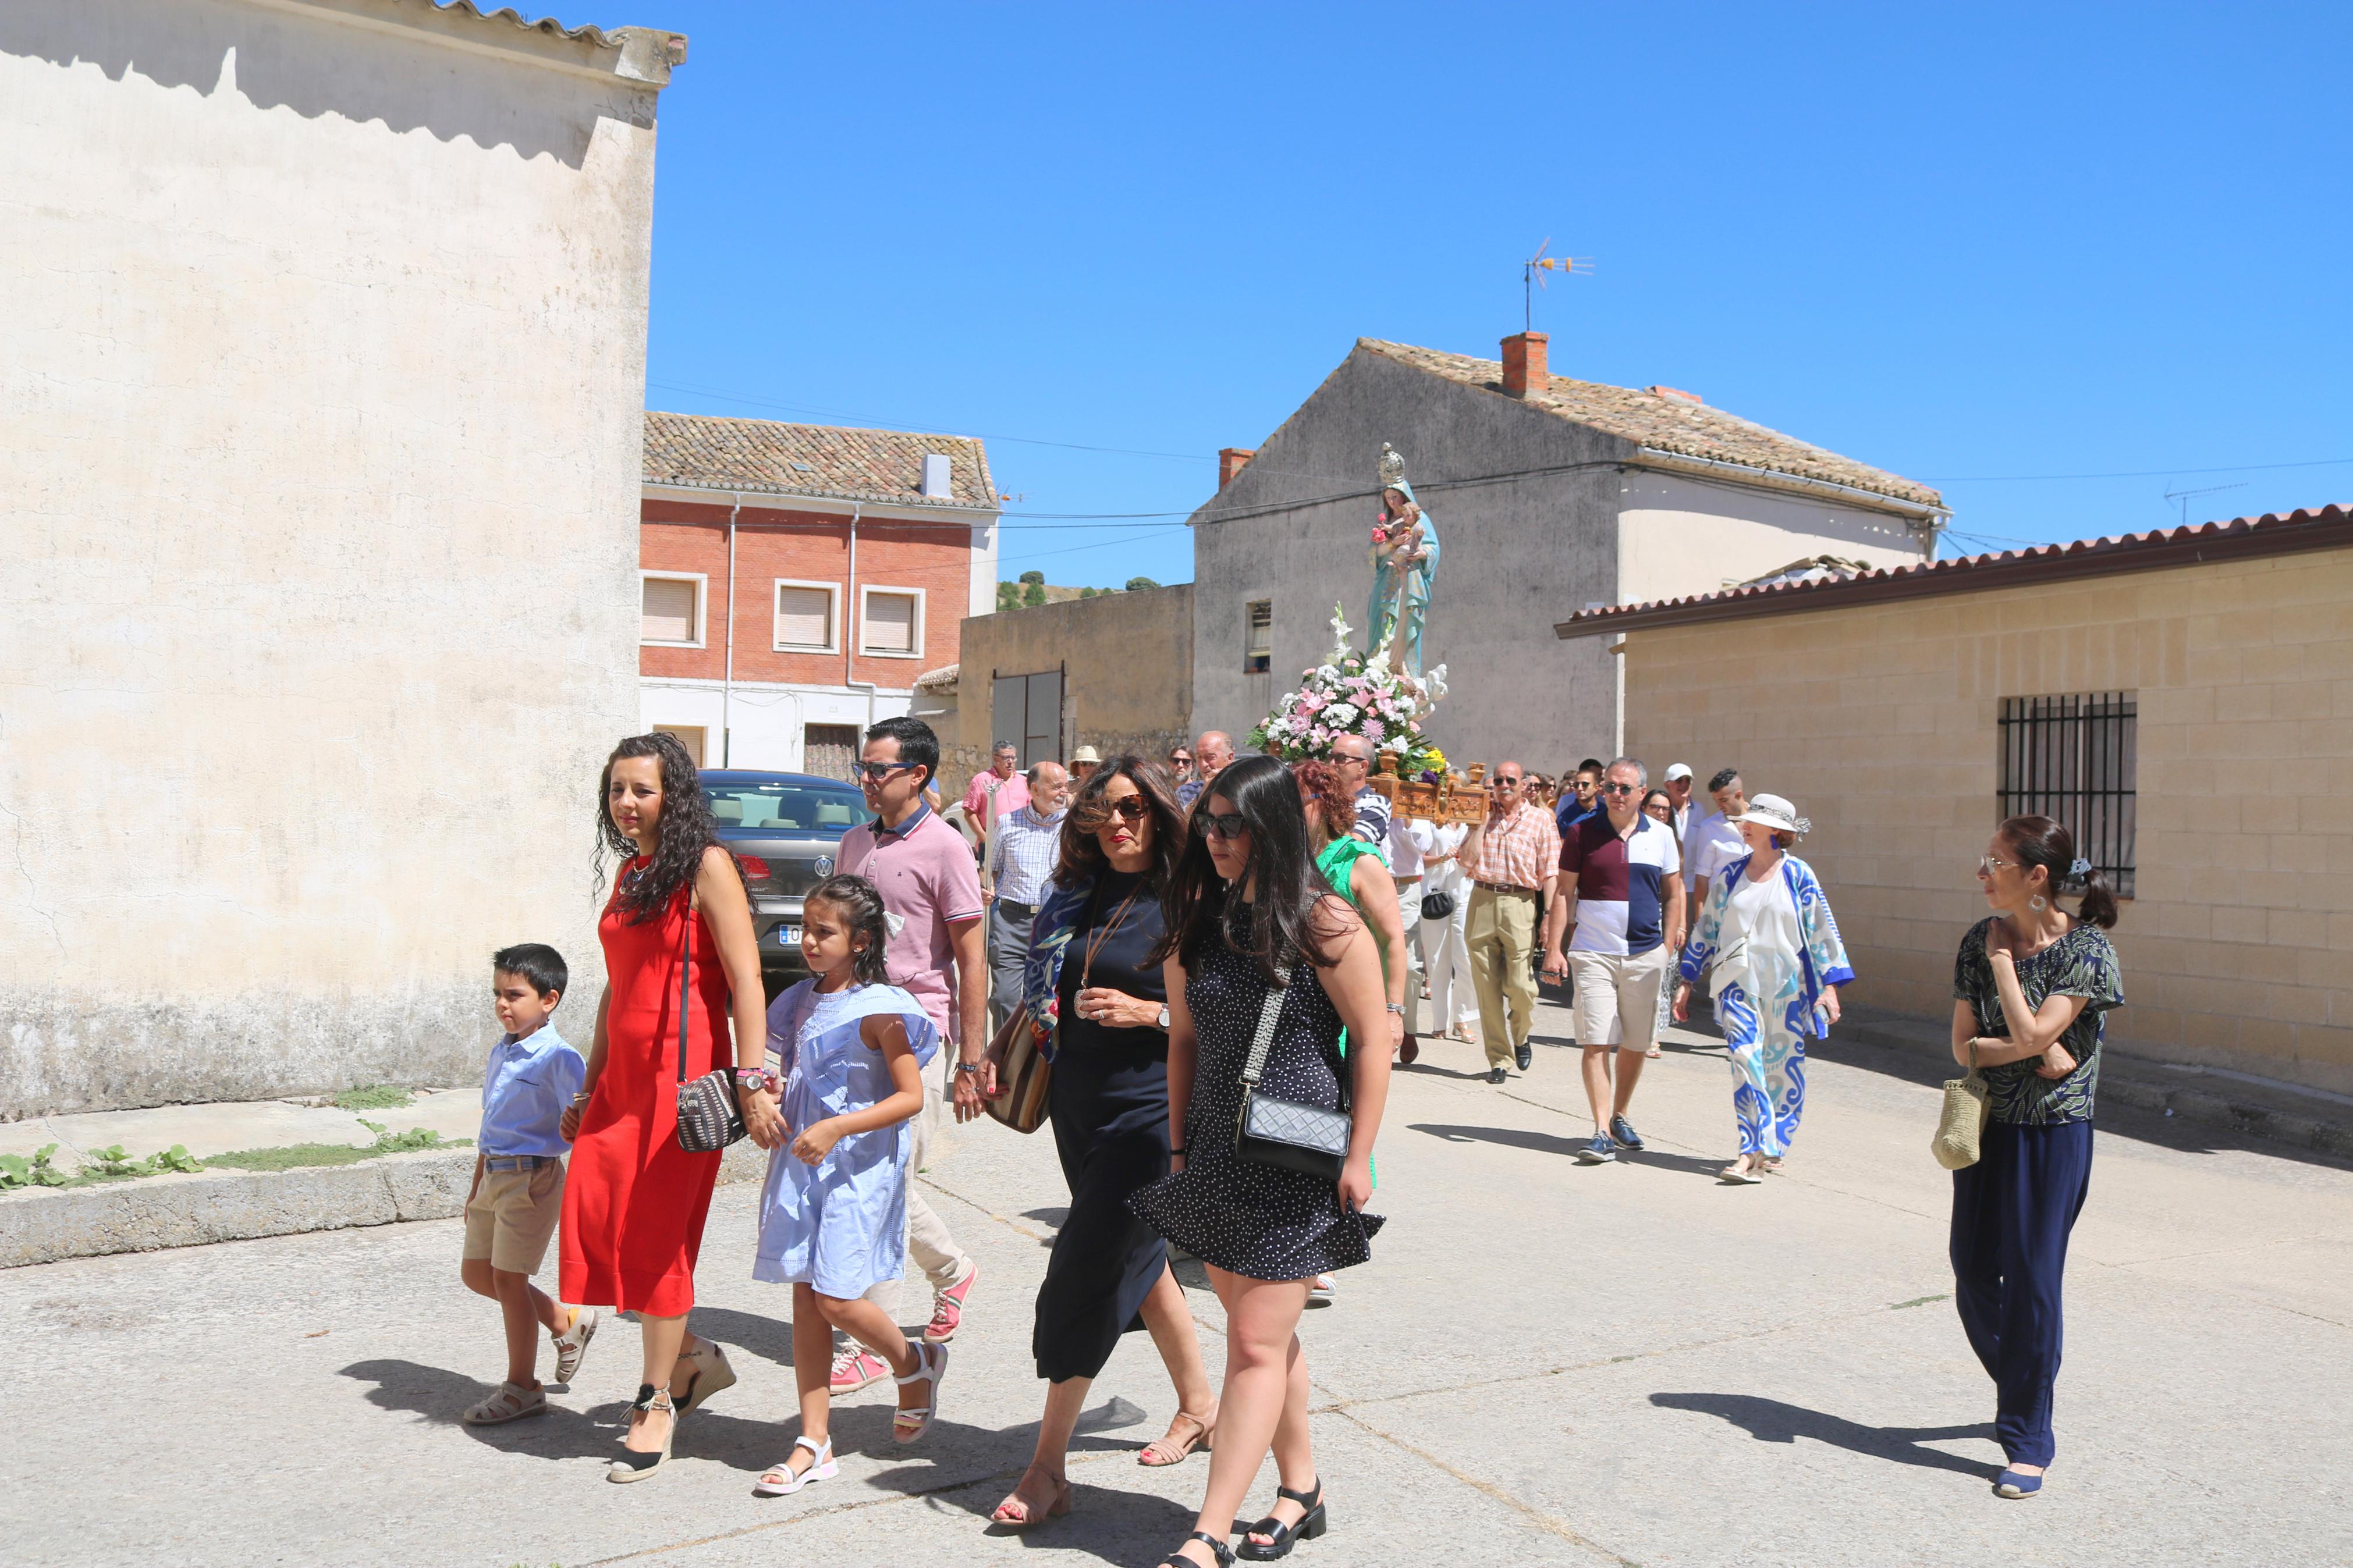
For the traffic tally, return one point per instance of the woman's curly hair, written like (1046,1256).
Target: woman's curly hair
(1319,781)
(688,829)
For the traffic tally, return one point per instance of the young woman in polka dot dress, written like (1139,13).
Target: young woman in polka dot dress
(1245,907)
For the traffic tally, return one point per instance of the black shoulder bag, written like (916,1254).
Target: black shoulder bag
(710,1117)
(1284,1132)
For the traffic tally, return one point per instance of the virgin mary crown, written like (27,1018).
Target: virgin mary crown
(1392,467)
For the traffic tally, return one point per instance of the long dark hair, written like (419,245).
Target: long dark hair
(1083,855)
(2044,842)
(688,828)
(861,910)
(1286,921)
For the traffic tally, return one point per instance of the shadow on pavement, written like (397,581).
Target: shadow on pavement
(1566,1148)
(441,1395)
(767,1338)
(1773,1421)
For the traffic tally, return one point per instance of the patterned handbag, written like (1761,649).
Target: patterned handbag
(1960,1129)
(1283,1132)
(1024,1076)
(710,1117)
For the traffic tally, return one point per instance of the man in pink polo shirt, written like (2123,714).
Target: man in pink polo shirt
(923,870)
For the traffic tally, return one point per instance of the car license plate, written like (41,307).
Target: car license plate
(788,936)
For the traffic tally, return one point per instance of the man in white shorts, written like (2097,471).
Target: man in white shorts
(1619,899)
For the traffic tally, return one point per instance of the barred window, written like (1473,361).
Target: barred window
(2074,758)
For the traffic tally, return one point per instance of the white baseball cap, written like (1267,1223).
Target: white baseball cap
(1678,771)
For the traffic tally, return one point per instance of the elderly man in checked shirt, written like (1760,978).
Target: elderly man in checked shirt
(1507,857)
(1021,856)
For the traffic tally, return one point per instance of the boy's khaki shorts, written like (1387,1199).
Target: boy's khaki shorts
(512,1216)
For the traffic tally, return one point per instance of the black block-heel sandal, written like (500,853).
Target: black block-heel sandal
(1312,1523)
(1220,1553)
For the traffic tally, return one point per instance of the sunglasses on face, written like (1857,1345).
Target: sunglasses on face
(1181,760)
(877,772)
(1129,807)
(1223,825)
(1508,781)
(1619,788)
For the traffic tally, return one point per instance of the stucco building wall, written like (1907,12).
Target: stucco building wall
(1129,677)
(324,392)
(1678,535)
(1879,722)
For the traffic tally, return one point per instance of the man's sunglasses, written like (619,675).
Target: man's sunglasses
(1509,781)
(1179,759)
(1220,823)
(877,772)
(1619,788)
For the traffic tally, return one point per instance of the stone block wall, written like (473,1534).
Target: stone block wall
(1880,721)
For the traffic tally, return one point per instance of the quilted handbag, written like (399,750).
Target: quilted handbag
(1024,1076)
(1960,1129)
(1283,1132)
(1438,906)
(710,1117)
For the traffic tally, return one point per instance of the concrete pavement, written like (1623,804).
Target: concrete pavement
(1545,1363)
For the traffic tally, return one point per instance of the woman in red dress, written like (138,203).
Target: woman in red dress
(634,1201)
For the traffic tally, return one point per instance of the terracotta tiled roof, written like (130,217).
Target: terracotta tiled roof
(2273,533)
(765,455)
(1667,423)
(941,679)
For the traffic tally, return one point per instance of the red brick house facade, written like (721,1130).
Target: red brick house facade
(796,579)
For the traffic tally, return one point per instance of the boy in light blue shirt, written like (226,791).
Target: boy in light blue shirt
(518,1191)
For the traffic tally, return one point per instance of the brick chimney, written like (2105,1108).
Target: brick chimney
(1233,460)
(1524,364)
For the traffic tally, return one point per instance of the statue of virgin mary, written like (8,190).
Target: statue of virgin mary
(1405,569)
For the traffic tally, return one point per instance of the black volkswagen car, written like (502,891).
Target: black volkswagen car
(787,828)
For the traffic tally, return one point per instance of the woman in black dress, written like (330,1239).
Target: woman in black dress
(1248,915)
(1094,977)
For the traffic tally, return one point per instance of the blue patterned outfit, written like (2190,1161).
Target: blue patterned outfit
(840,1225)
(1776,948)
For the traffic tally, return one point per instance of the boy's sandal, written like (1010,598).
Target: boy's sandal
(632,1466)
(908,1424)
(1176,1449)
(572,1343)
(1221,1554)
(712,1374)
(1030,1513)
(782,1480)
(510,1402)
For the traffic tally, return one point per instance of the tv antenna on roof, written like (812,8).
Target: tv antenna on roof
(1540,262)
(2183,496)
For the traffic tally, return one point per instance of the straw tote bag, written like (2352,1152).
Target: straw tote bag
(1024,1076)
(1960,1129)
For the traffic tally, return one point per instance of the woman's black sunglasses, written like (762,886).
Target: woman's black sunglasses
(1220,823)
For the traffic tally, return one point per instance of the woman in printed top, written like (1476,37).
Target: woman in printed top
(1778,965)
(833,1216)
(1092,980)
(2032,987)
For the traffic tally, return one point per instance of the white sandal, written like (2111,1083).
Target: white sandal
(783,1481)
(931,1365)
(510,1402)
(572,1343)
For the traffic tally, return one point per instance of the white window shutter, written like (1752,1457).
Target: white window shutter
(889,623)
(803,617)
(668,610)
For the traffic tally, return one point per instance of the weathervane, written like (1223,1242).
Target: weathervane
(1540,262)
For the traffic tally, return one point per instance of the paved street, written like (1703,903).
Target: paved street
(1545,1363)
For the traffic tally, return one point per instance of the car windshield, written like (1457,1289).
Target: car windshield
(786,805)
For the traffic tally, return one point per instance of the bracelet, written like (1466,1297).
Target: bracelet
(580,1100)
(1175,1151)
(1397,1007)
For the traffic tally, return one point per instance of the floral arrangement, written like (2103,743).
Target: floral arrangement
(1349,694)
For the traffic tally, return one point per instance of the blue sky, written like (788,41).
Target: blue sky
(1962,244)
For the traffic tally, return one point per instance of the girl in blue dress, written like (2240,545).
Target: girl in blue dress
(833,1216)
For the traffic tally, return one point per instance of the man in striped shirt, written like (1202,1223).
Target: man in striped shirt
(1021,856)
(1516,851)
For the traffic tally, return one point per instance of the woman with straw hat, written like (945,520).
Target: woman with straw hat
(1778,965)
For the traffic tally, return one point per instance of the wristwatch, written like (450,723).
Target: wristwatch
(1162,1023)
(1397,1007)
(759,1079)
(970,1066)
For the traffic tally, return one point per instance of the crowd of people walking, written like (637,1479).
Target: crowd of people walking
(1213,962)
